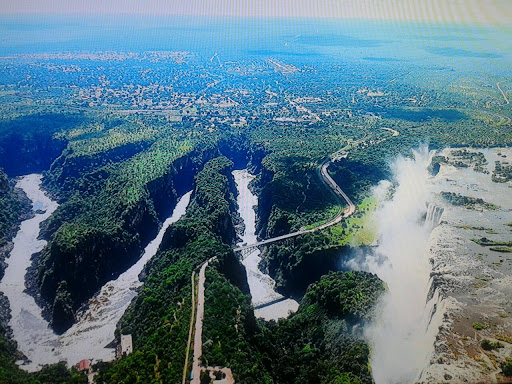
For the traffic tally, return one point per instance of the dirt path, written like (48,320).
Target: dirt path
(503,93)
(198,343)
(191,328)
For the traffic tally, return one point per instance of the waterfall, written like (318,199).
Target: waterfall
(434,213)
(406,321)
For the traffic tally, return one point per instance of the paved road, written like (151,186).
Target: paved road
(198,343)
(198,335)
(335,188)
(191,328)
(338,192)
(503,93)
(393,131)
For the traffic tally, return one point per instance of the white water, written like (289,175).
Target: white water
(403,334)
(261,285)
(30,330)
(95,327)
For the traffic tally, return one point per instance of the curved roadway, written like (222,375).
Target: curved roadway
(338,192)
(199,305)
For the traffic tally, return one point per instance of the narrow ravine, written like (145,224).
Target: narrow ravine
(95,326)
(262,286)
(35,339)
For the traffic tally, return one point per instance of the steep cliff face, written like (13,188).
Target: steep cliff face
(86,250)
(90,258)
(68,169)
(159,317)
(214,198)
(320,343)
(28,144)
(14,206)
(237,150)
(299,262)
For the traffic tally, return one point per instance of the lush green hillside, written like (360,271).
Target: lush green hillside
(31,142)
(14,206)
(119,136)
(315,345)
(10,373)
(159,317)
(111,209)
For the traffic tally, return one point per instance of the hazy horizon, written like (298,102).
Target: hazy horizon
(454,11)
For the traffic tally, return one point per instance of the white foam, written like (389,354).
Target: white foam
(94,329)
(403,333)
(261,285)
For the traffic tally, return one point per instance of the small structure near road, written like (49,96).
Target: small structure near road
(217,375)
(84,366)
(125,347)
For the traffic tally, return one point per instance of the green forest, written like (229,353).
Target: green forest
(120,136)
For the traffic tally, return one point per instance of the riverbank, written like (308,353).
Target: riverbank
(95,324)
(31,332)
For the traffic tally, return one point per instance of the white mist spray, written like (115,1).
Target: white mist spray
(400,336)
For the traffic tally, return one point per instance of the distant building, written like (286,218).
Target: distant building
(125,347)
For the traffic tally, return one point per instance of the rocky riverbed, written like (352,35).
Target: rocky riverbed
(93,331)
(471,261)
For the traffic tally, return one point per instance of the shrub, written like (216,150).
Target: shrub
(489,345)
(479,326)
(506,367)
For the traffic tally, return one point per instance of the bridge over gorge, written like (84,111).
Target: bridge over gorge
(247,249)
(196,325)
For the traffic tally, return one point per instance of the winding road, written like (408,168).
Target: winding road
(199,310)
(336,190)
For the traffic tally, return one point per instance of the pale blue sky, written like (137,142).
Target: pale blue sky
(485,11)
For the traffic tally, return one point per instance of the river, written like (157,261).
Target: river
(261,285)
(95,326)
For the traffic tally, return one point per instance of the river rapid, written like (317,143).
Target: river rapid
(94,329)
(261,285)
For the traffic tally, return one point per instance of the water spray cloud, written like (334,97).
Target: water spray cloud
(400,335)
